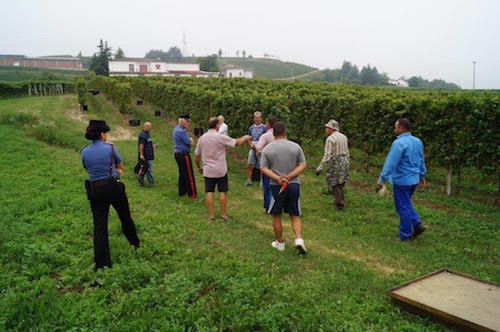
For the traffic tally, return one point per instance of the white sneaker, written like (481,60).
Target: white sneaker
(301,247)
(278,245)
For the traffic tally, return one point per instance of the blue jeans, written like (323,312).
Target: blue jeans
(408,217)
(149,173)
(266,191)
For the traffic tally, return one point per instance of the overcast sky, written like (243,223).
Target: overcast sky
(430,38)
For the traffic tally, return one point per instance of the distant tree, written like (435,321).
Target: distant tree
(119,54)
(244,54)
(331,75)
(415,82)
(79,55)
(209,63)
(219,53)
(250,56)
(369,76)
(99,62)
(349,73)
(173,53)
(238,53)
(419,82)
(156,54)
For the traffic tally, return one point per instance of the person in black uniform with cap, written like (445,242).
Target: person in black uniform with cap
(104,188)
(182,148)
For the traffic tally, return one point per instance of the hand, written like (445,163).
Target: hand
(156,146)
(318,171)
(142,158)
(119,171)
(422,183)
(284,179)
(200,169)
(379,185)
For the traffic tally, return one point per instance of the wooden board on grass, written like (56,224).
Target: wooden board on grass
(454,297)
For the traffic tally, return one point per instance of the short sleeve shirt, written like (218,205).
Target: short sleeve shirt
(145,139)
(181,140)
(264,140)
(256,131)
(96,159)
(212,149)
(282,156)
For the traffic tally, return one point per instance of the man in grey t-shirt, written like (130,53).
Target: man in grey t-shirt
(282,161)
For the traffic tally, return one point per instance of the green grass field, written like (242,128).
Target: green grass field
(192,275)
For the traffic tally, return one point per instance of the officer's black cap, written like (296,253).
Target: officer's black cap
(95,128)
(98,126)
(185,116)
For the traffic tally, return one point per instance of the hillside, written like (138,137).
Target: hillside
(268,68)
(17,74)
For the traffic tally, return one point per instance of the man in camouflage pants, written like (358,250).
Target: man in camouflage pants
(336,160)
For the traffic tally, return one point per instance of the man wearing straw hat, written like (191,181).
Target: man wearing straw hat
(336,161)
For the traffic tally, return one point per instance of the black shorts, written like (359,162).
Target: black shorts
(222,184)
(288,200)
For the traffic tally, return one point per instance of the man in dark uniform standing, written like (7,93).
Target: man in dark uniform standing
(146,153)
(182,148)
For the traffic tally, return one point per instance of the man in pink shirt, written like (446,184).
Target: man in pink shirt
(264,140)
(211,148)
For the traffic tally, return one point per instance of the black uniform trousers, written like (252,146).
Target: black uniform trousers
(101,197)
(186,181)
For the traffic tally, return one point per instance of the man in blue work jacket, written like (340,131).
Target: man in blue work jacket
(405,168)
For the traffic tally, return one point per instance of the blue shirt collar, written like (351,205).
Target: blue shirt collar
(404,134)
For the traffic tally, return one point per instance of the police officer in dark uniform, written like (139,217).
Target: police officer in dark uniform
(182,147)
(104,188)
(146,153)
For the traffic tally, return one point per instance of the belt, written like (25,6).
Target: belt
(182,152)
(102,182)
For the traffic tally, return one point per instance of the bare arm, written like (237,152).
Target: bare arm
(141,151)
(197,160)
(119,169)
(270,174)
(296,171)
(243,139)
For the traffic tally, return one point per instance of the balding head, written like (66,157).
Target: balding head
(147,126)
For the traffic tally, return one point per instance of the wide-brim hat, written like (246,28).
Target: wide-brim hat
(332,124)
(98,126)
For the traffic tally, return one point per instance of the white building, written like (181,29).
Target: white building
(147,67)
(231,71)
(401,82)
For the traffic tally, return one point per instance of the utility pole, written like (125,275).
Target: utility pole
(473,75)
(184,45)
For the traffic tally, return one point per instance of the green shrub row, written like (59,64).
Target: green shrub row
(458,128)
(34,88)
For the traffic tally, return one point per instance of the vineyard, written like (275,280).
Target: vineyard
(459,129)
(195,276)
